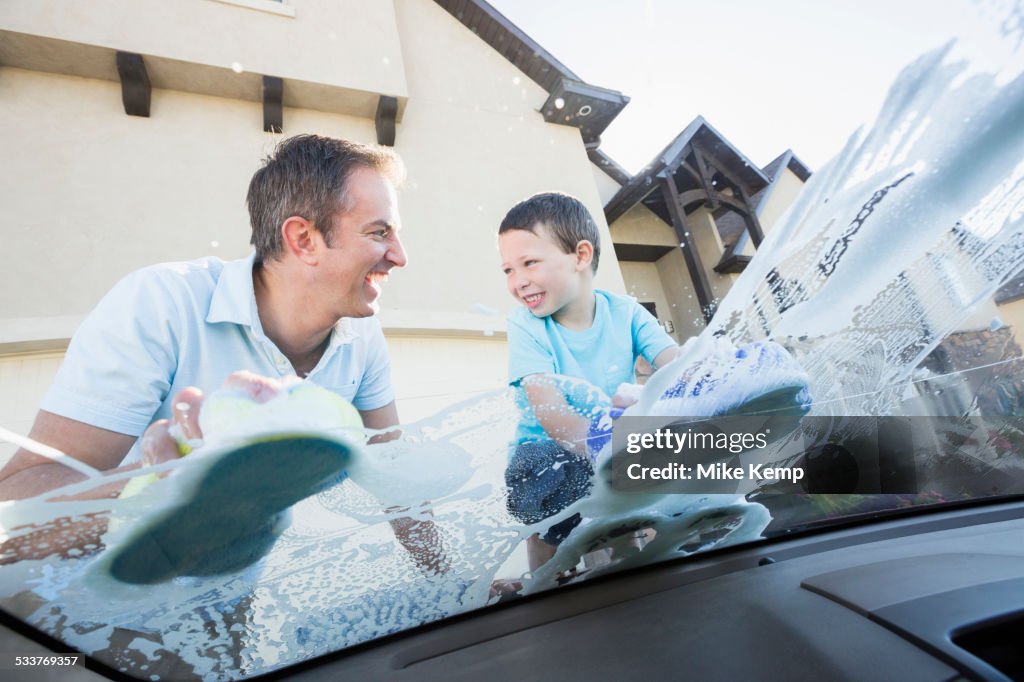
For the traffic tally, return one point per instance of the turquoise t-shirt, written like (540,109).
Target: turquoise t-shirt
(603,355)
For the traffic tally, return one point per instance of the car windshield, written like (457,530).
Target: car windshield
(865,360)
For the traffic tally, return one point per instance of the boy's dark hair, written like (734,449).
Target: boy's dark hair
(564,216)
(306,176)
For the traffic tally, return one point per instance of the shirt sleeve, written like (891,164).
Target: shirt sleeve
(120,364)
(527,354)
(649,339)
(375,384)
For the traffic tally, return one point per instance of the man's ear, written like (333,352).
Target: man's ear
(301,239)
(584,255)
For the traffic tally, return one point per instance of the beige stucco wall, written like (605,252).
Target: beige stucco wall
(639,225)
(92,194)
(785,191)
(312,42)
(606,185)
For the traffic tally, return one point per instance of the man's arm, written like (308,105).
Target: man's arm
(420,539)
(28,474)
(380,419)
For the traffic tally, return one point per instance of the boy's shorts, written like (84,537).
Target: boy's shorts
(542,480)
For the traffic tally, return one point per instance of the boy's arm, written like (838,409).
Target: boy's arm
(666,356)
(650,340)
(532,366)
(560,421)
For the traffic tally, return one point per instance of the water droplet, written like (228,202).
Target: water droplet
(385,61)
(559,103)
(215,243)
(237,67)
(516,80)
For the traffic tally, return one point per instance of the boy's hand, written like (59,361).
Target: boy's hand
(625,395)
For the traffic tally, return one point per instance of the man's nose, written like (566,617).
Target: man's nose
(396,253)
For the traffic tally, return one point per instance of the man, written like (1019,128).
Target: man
(325,229)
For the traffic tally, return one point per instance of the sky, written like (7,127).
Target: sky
(769,75)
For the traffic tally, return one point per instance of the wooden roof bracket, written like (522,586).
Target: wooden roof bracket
(704,173)
(135,87)
(273,104)
(387,114)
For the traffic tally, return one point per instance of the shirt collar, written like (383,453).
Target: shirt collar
(233,297)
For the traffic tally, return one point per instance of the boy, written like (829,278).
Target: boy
(549,248)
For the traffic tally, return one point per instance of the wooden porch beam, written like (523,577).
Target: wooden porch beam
(750,218)
(699,277)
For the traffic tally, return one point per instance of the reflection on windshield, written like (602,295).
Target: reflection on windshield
(878,287)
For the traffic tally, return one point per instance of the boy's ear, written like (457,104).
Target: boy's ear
(584,255)
(301,239)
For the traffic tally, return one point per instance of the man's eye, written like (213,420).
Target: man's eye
(383,234)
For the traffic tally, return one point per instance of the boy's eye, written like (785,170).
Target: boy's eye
(507,271)
(529,263)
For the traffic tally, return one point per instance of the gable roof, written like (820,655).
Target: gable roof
(642,186)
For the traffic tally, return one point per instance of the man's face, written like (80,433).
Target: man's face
(364,246)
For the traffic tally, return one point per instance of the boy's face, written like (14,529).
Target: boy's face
(538,273)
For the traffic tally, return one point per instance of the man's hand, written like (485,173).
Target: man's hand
(165,439)
(159,443)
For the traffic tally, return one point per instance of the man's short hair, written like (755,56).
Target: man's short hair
(306,176)
(564,216)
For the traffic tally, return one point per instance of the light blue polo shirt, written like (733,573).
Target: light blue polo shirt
(603,355)
(170,326)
